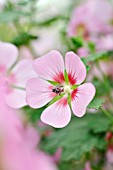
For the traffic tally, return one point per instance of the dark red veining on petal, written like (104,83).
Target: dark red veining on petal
(63,101)
(71,78)
(59,78)
(73,94)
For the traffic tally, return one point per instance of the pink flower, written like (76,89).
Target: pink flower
(40,91)
(87,19)
(15,75)
(88,22)
(21,154)
(18,142)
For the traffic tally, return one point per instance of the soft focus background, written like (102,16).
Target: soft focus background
(36,27)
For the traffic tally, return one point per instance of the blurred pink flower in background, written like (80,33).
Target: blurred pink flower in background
(87,21)
(18,142)
(105,43)
(79,24)
(83,52)
(109,155)
(106,67)
(87,166)
(88,16)
(57,156)
(15,75)
(40,91)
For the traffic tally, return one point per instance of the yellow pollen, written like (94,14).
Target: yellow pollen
(81,29)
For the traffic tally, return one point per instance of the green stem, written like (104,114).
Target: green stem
(29,46)
(106,83)
(20,88)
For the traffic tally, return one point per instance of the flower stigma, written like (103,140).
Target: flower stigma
(67,89)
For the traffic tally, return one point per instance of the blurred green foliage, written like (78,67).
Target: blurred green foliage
(80,137)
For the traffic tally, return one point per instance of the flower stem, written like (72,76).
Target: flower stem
(107,114)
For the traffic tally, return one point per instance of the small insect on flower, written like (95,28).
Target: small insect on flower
(59,83)
(58,89)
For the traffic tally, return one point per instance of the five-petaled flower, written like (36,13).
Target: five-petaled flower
(59,81)
(14,75)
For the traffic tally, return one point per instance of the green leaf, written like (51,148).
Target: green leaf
(77,42)
(91,46)
(98,85)
(96,103)
(47,22)
(23,39)
(81,136)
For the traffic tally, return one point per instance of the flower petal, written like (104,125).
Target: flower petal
(23,71)
(58,114)
(39,92)
(50,66)
(16,98)
(75,68)
(81,97)
(8,54)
